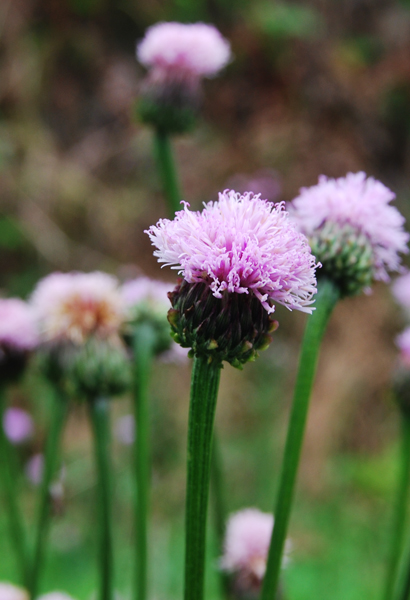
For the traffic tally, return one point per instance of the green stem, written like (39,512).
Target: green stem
(204,391)
(403,587)
(327,297)
(167,170)
(9,473)
(400,509)
(219,502)
(59,408)
(99,409)
(144,340)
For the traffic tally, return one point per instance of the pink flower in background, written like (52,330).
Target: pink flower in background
(196,48)
(240,244)
(34,469)
(18,425)
(403,343)
(125,430)
(364,204)
(265,182)
(71,307)
(18,326)
(146,291)
(246,547)
(8,591)
(401,291)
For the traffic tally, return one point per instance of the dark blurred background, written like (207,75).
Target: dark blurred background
(315,87)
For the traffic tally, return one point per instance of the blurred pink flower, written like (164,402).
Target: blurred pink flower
(361,202)
(240,244)
(18,326)
(18,425)
(246,548)
(74,306)
(34,469)
(8,591)
(196,48)
(401,290)
(147,292)
(403,343)
(125,430)
(265,182)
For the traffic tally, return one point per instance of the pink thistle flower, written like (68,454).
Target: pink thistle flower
(363,204)
(403,343)
(72,307)
(240,244)
(246,547)
(8,591)
(18,425)
(18,327)
(401,291)
(196,48)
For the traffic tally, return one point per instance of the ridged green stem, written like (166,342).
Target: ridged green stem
(219,504)
(167,171)
(400,509)
(204,391)
(326,299)
(144,340)
(9,477)
(52,451)
(99,409)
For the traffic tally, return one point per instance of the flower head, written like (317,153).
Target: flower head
(72,307)
(18,425)
(401,291)
(238,257)
(240,244)
(246,546)
(34,469)
(196,48)
(352,228)
(18,327)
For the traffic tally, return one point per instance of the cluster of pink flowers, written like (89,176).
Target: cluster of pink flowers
(197,49)
(18,326)
(240,244)
(363,203)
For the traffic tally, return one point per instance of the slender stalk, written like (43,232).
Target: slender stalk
(9,474)
(204,391)
(326,299)
(99,409)
(59,411)
(400,508)
(219,503)
(144,340)
(402,591)
(167,170)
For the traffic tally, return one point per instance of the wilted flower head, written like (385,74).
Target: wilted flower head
(246,547)
(178,55)
(18,425)
(74,306)
(401,291)
(196,48)
(18,330)
(353,230)
(243,251)
(8,591)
